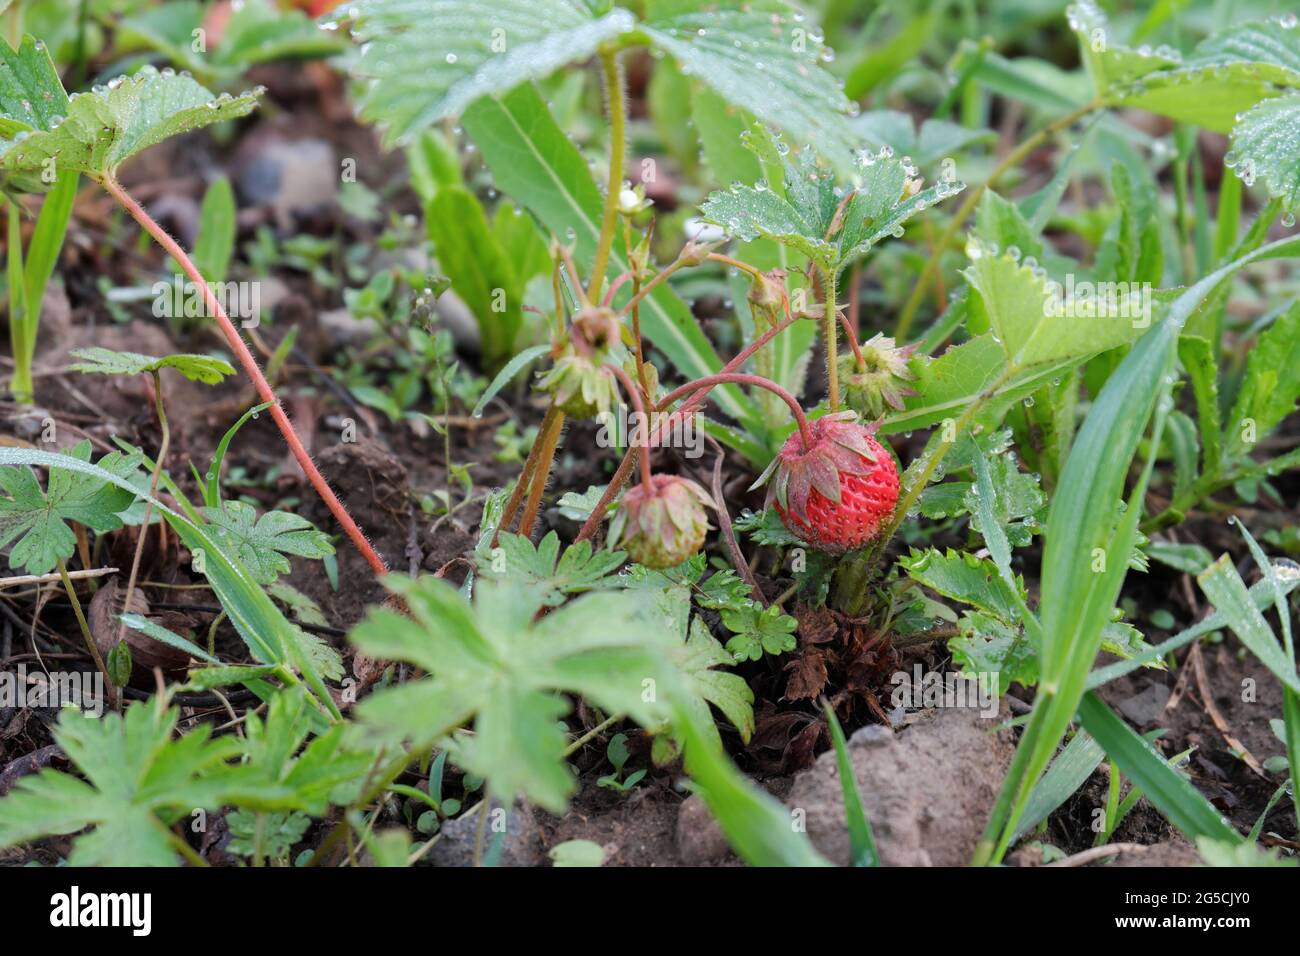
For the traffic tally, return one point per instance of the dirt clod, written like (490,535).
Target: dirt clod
(927,789)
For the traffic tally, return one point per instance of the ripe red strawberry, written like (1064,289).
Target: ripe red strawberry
(664,524)
(839,492)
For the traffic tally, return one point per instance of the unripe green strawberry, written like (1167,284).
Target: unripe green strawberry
(840,491)
(882,382)
(662,525)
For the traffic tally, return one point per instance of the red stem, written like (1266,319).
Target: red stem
(264,391)
(625,466)
(635,394)
(740,378)
(853,343)
(614,287)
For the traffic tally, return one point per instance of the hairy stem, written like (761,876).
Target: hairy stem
(625,466)
(249,363)
(639,404)
(740,378)
(1012,159)
(617,95)
(526,475)
(547,442)
(830,331)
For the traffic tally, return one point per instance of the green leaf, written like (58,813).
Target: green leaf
(1227,592)
(758,630)
(139,781)
(217,227)
(697,660)
(533,160)
(577,853)
(480,50)
(109,125)
(197,368)
(268,633)
(966,578)
(1067,773)
(260,544)
(480,272)
(978,367)
(138,622)
(1240,853)
(542,568)
(1188,558)
(491,664)
(862,843)
(31,94)
(36,520)
(1197,356)
(765,58)
(1037,325)
(271,834)
(1271,384)
(1179,802)
(989,645)
(812,217)
(1266,145)
(755,824)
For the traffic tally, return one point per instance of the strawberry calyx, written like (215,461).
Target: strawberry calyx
(839,445)
(663,523)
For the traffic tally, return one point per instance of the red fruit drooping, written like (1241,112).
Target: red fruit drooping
(839,491)
(664,523)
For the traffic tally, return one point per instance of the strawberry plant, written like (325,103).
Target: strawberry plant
(731,408)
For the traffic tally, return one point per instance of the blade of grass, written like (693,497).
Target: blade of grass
(1176,799)
(1085,555)
(862,843)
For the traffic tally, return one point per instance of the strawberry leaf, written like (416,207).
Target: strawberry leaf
(112,123)
(197,368)
(38,519)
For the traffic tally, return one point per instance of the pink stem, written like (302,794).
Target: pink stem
(635,395)
(173,249)
(614,287)
(625,466)
(739,378)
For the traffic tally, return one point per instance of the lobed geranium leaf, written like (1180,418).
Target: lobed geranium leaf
(553,574)
(139,781)
(261,544)
(37,519)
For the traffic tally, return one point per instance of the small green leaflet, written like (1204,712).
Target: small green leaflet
(1266,145)
(831,225)
(555,575)
(758,630)
(279,832)
(197,368)
(110,124)
(39,519)
(261,544)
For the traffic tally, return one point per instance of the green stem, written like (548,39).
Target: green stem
(85,627)
(20,332)
(148,505)
(613,71)
(831,330)
(547,442)
(1013,159)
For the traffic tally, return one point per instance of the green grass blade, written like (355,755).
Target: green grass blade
(1227,592)
(862,843)
(1176,799)
(44,247)
(755,824)
(1067,773)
